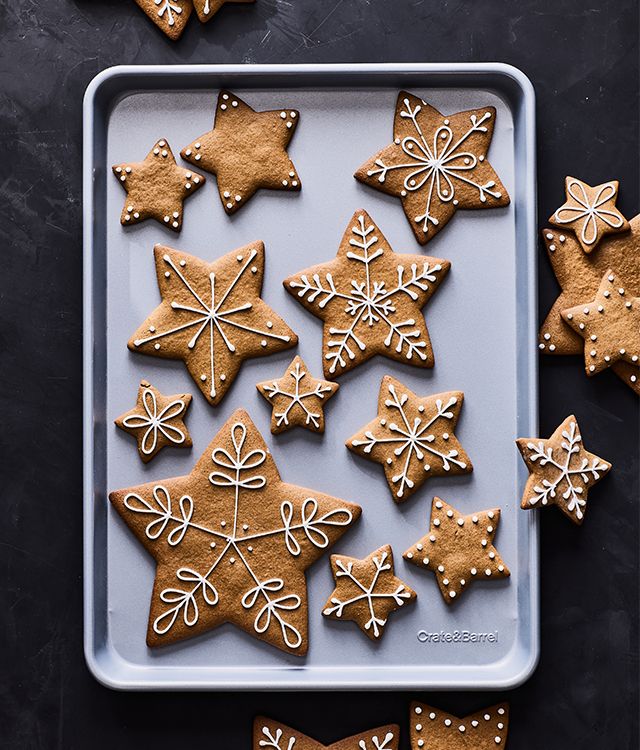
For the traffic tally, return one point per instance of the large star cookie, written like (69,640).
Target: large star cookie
(211,316)
(436,164)
(432,729)
(156,188)
(246,150)
(272,735)
(232,542)
(412,437)
(370,300)
(561,471)
(459,549)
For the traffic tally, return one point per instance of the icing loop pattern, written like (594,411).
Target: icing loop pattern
(155,422)
(162,514)
(587,209)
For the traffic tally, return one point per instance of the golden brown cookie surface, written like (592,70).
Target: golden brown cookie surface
(432,729)
(170,16)
(272,735)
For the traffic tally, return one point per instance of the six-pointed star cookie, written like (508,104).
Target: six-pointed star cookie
(432,729)
(206,9)
(367,591)
(156,421)
(412,437)
(370,300)
(459,549)
(232,542)
(211,316)
(272,735)
(246,150)
(156,188)
(436,164)
(298,399)
(561,471)
(590,212)
(170,16)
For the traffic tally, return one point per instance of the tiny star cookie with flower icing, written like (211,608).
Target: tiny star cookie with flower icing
(272,735)
(157,421)
(432,729)
(298,399)
(367,591)
(459,549)
(232,542)
(246,150)
(211,316)
(156,188)
(370,299)
(590,212)
(561,471)
(436,164)
(413,437)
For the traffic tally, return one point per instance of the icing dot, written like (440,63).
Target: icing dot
(409,555)
(223,377)
(238,198)
(152,328)
(254,269)
(438,504)
(225,96)
(156,346)
(447,722)
(263,342)
(418,710)
(549,236)
(269,324)
(234,103)
(226,194)
(474,572)
(292,115)
(283,115)
(432,716)
(203,377)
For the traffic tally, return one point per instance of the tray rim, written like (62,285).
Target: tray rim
(238,679)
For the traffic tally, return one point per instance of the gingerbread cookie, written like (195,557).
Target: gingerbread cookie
(370,299)
(459,549)
(561,471)
(432,729)
(436,164)
(232,542)
(298,399)
(272,735)
(156,188)
(157,421)
(211,316)
(412,437)
(206,9)
(170,16)
(246,150)
(590,212)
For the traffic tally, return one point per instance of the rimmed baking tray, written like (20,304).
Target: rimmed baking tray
(482,323)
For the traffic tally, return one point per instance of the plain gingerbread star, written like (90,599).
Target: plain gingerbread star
(459,549)
(272,735)
(432,729)
(170,16)
(246,150)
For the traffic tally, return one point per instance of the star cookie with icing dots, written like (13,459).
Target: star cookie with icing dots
(211,316)
(157,421)
(246,150)
(590,212)
(370,299)
(298,399)
(232,542)
(561,471)
(413,437)
(436,164)
(432,729)
(272,735)
(367,591)
(156,188)
(459,549)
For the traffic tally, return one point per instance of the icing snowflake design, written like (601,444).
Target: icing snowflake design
(276,740)
(272,736)
(370,299)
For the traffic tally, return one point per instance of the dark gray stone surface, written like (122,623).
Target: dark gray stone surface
(583,60)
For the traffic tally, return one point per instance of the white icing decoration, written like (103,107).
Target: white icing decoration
(273,741)
(155,422)
(168,7)
(297,397)
(588,212)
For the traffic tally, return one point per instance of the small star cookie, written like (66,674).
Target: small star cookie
(298,399)
(246,150)
(561,471)
(157,421)
(272,735)
(459,549)
(432,729)
(170,16)
(156,188)
(367,591)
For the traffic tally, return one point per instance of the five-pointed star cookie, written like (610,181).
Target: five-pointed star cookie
(298,399)
(170,16)
(272,735)
(609,325)
(232,542)
(459,549)
(156,188)
(157,421)
(590,212)
(246,150)
(211,316)
(367,591)
(432,729)
(436,164)
(561,471)
(370,300)
(412,437)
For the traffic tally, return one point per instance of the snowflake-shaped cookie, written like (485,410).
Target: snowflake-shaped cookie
(436,164)
(561,470)
(412,437)
(432,729)
(271,735)
(232,542)
(370,300)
